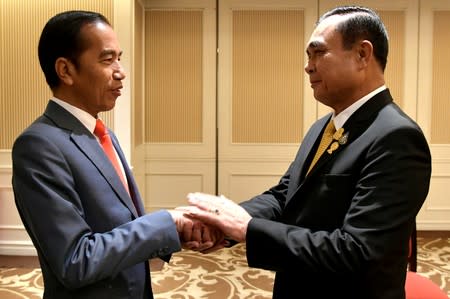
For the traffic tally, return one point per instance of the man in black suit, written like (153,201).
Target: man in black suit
(338,228)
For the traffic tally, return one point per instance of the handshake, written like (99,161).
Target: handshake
(209,222)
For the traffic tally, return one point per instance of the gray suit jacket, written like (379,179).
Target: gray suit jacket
(92,241)
(343,230)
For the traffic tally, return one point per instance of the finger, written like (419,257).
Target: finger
(206,234)
(191,245)
(197,231)
(188,209)
(203,201)
(213,248)
(199,195)
(217,236)
(199,203)
(183,208)
(204,216)
(186,233)
(205,246)
(211,203)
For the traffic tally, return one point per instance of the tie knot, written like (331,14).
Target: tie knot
(100,129)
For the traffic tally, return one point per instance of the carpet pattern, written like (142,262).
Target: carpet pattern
(221,275)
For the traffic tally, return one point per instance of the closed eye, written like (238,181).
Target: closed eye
(108,60)
(110,56)
(315,53)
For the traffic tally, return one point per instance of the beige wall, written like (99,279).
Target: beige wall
(23,90)
(440,132)
(173,76)
(138,80)
(264,105)
(169,106)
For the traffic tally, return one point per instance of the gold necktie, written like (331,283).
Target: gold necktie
(327,137)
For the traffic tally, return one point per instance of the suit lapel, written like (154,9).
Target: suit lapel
(311,143)
(358,122)
(89,146)
(132,187)
(305,154)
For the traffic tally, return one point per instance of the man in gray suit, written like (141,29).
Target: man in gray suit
(339,227)
(89,228)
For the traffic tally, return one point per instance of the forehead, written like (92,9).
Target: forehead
(100,36)
(325,32)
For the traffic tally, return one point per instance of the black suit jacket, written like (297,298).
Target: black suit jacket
(92,241)
(342,231)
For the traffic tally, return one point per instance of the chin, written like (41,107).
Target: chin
(322,100)
(319,97)
(107,108)
(111,104)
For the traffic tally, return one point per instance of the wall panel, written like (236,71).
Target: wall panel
(395,69)
(138,82)
(265,101)
(440,106)
(23,90)
(177,154)
(174,77)
(267,72)
(433,108)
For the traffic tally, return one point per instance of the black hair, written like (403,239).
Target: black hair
(362,24)
(61,37)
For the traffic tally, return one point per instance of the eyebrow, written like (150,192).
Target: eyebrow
(107,52)
(314,44)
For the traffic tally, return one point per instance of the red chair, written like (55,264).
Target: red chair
(417,286)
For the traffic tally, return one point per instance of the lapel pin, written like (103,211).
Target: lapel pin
(340,138)
(334,146)
(338,134)
(343,139)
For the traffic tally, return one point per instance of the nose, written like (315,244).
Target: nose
(309,68)
(119,72)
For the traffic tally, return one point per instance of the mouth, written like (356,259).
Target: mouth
(314,83)
(117,91)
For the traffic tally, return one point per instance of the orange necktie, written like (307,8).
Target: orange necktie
(105,140)
(327,137)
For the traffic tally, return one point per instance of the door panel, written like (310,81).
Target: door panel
(434,109)
(178,131)
(264,102)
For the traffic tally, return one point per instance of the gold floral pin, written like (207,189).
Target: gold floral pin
(340,138)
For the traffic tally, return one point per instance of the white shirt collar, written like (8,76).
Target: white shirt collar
(340,119)
(85,118)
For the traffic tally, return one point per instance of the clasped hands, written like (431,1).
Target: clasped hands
(209,222)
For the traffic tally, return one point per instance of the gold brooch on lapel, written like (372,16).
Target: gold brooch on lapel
(341,139)
(338,134)
(334,146)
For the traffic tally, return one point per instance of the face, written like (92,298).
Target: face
(97,80)
(333,71)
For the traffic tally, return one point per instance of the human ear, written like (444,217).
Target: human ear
(365,52)
(65,69)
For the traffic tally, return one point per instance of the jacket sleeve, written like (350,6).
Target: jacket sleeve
(391,180)
(47,186)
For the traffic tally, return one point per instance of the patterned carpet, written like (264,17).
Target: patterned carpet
(223,274)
